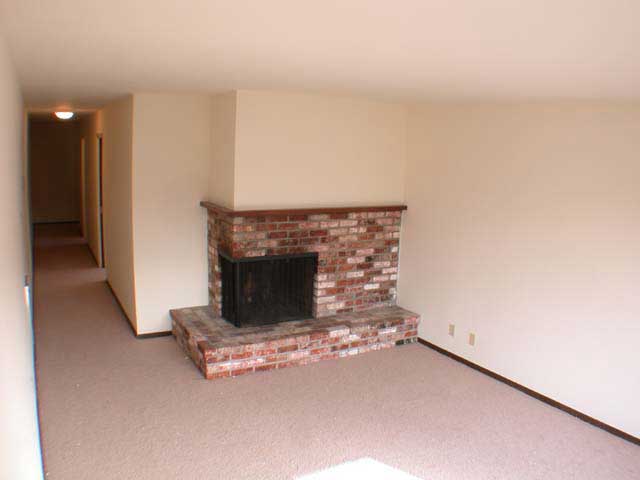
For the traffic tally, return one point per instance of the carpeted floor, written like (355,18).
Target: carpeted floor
(113,407)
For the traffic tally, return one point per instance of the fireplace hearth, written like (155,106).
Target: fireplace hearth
(265,290)
(221,350)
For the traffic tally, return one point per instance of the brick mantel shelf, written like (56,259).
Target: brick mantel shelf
(300,211)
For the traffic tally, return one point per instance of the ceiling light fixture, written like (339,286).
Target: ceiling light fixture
(64,115)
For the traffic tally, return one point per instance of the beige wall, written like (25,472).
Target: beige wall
(92,126)
(522,222)
(523,227)
(19,442)
(171,159)
(54,158)
(296,150)
(221,188)
(117,183)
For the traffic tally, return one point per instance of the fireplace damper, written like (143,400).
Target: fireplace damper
(265,290)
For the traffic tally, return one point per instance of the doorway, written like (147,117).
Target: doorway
(55,170)
(100,200)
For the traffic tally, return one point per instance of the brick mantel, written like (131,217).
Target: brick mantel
(300,211)
(357,249)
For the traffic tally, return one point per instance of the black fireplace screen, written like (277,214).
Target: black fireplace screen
(264,290)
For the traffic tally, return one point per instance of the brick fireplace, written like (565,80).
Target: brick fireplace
(352,290)
(357,250)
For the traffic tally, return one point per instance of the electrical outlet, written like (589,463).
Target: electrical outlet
(472,339)
(452,329)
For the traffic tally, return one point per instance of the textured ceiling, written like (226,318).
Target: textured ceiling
(84,52)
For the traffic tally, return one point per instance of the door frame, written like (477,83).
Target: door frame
(100,158)
(83,187)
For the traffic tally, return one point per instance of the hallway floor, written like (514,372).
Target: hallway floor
(114,407)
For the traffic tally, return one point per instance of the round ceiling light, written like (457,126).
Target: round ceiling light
(64,115)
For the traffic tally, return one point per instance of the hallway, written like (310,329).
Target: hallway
(89,366)
(114,407)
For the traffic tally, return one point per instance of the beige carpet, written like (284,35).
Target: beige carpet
(113,407)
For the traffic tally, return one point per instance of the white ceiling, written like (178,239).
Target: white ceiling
(86,52)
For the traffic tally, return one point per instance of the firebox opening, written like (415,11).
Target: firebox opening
(265,290)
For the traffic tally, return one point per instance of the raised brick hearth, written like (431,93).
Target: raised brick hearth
(221,350)
(357,250)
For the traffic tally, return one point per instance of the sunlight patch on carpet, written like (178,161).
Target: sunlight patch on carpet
(358,469)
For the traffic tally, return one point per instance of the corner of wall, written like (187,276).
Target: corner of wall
(224,107)
(118,171)
(131,100)
(236,125)
(405,156)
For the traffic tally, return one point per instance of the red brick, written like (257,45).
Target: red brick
(288,348)
(329,356)
(326,269)
(266,351)
(276,218)
(287,226)
(267,227)
(243,228)
(337,348)
(318,351)
(309,241)
(240,356)
(263,368)
(348,267)
(308,225)
(217,358)
(275,358)
(366,236)
(288,242)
